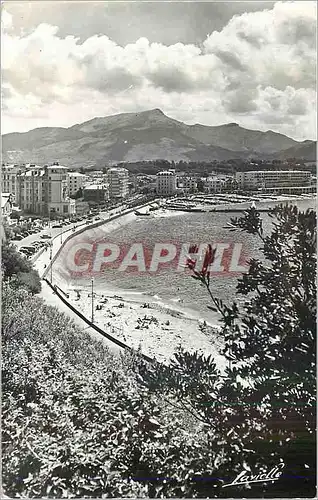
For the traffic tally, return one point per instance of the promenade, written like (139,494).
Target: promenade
(41,263)
(136,321)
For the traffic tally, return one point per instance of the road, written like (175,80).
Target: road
(54,232)
(41,263)
(52,299)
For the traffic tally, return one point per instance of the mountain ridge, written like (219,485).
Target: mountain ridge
(146,135)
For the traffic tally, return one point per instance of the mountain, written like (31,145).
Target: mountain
(306,150)
(236,138)
(147,135)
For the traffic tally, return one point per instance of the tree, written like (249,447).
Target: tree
(15,215)
(18,269)
(262,409)
(78,194)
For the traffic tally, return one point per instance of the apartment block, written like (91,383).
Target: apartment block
(265,179)
(76,181)
(166,183)
(187,183)
(214,185)
(44,190)
(118,179)
(9,179)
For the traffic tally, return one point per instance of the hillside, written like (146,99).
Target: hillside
(306,150)
(146,135)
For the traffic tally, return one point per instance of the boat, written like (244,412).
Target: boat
(140,214)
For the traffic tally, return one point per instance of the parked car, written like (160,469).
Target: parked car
(28,250)
(57,225)
(45,236)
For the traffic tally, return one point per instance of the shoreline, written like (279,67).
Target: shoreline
(142,320)
(154,327)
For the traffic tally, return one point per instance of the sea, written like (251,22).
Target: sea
(168,285)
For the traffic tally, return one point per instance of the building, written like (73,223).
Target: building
(99,193)
(6,204)
(118,179)
(44,190)
(214,185)
(95,177)
(56,190)
(30,189)
(75,181)
(187,184)
(271,179)
(9,179)
(219,184)
(166,183)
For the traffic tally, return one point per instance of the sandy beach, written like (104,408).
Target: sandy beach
(155,328)
(141,321)
(137,319)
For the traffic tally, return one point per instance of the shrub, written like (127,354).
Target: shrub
(18,269)
(263,409)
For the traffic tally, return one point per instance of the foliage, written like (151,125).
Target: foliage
(200,186)
(8,232)
(76,422)
(264,403)
(78,194)
(18,269)
(15,215)
(79,421)
(12,262)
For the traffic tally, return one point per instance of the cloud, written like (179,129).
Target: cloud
(6,20)
(259,70)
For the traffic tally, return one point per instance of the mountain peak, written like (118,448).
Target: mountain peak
(155,111)
(144,136)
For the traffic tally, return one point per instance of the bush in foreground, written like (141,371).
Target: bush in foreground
(263,409)
(79,421)
(75,421)
(16,268)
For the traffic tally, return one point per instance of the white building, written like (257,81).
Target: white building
(118,182)
(263,179)
(76,181)
(44,190)
(166,183)
(9,179)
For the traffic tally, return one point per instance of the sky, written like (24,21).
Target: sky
(252,63)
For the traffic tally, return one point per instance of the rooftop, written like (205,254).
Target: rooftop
(166,172)
(276,172)
(96,186)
